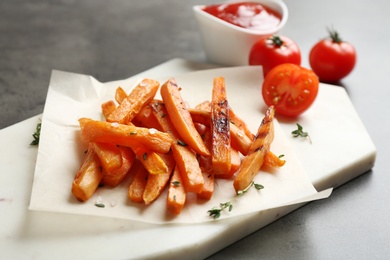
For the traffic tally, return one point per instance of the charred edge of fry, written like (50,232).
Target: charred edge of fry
(220,128)
(260,146)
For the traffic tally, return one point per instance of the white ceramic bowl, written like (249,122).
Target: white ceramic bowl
(228,44)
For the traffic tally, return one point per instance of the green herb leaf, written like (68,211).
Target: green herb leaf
(36,135)
(180,142)
(300,133)
(176,183)
(100,205)
(216,212)
(258,186)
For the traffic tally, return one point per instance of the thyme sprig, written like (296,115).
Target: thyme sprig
(256,185)
(300,133)
(37,134)
(216,212)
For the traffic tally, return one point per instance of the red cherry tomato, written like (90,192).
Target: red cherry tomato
(271,51)
(332,59)
(290,88)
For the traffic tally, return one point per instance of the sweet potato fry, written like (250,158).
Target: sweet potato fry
(260,146)
(142,94)
(208,186)
(236,162)
(235,165)
(157,182)
(271,160)
(206,164)
(109,155)
(220,128)
(107,108)
(176,193)
(114,177)
(145,118)
(88,177)
(238,139)
(200,116)
(205,105)
(238,122)
(233,117)
(137,186)
(181,118)
(126,135)
(185,158)
(152,161)
(120,95)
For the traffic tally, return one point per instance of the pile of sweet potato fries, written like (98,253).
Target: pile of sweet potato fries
(166,144)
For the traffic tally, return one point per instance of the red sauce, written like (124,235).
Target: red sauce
(247,15)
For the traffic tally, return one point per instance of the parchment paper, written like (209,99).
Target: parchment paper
(72,96)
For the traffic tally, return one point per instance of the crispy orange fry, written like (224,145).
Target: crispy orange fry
(205,105)
(237,121)
(88,177)
(260,146)
(145,118)
(206,166)
(235,165)
(137,186)
(238,140)
(126,135)
(107,108)
(176,193)
(205,162)
(272,160)
(234,119)
(114,177)
(142,94)
(152,161)
(181,118)
(208,186)
(220,128)
(185,158)
(109,155)
(200,116)
(120,95)
(157,182)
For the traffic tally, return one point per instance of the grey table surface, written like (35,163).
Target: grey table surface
(113,40)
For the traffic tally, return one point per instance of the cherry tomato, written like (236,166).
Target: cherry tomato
(290,88)
(271,51)
(332,59)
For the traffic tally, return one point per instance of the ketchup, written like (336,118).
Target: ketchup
(247,15)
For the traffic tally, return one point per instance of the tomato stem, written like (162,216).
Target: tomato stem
(334,35)
(276,40)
